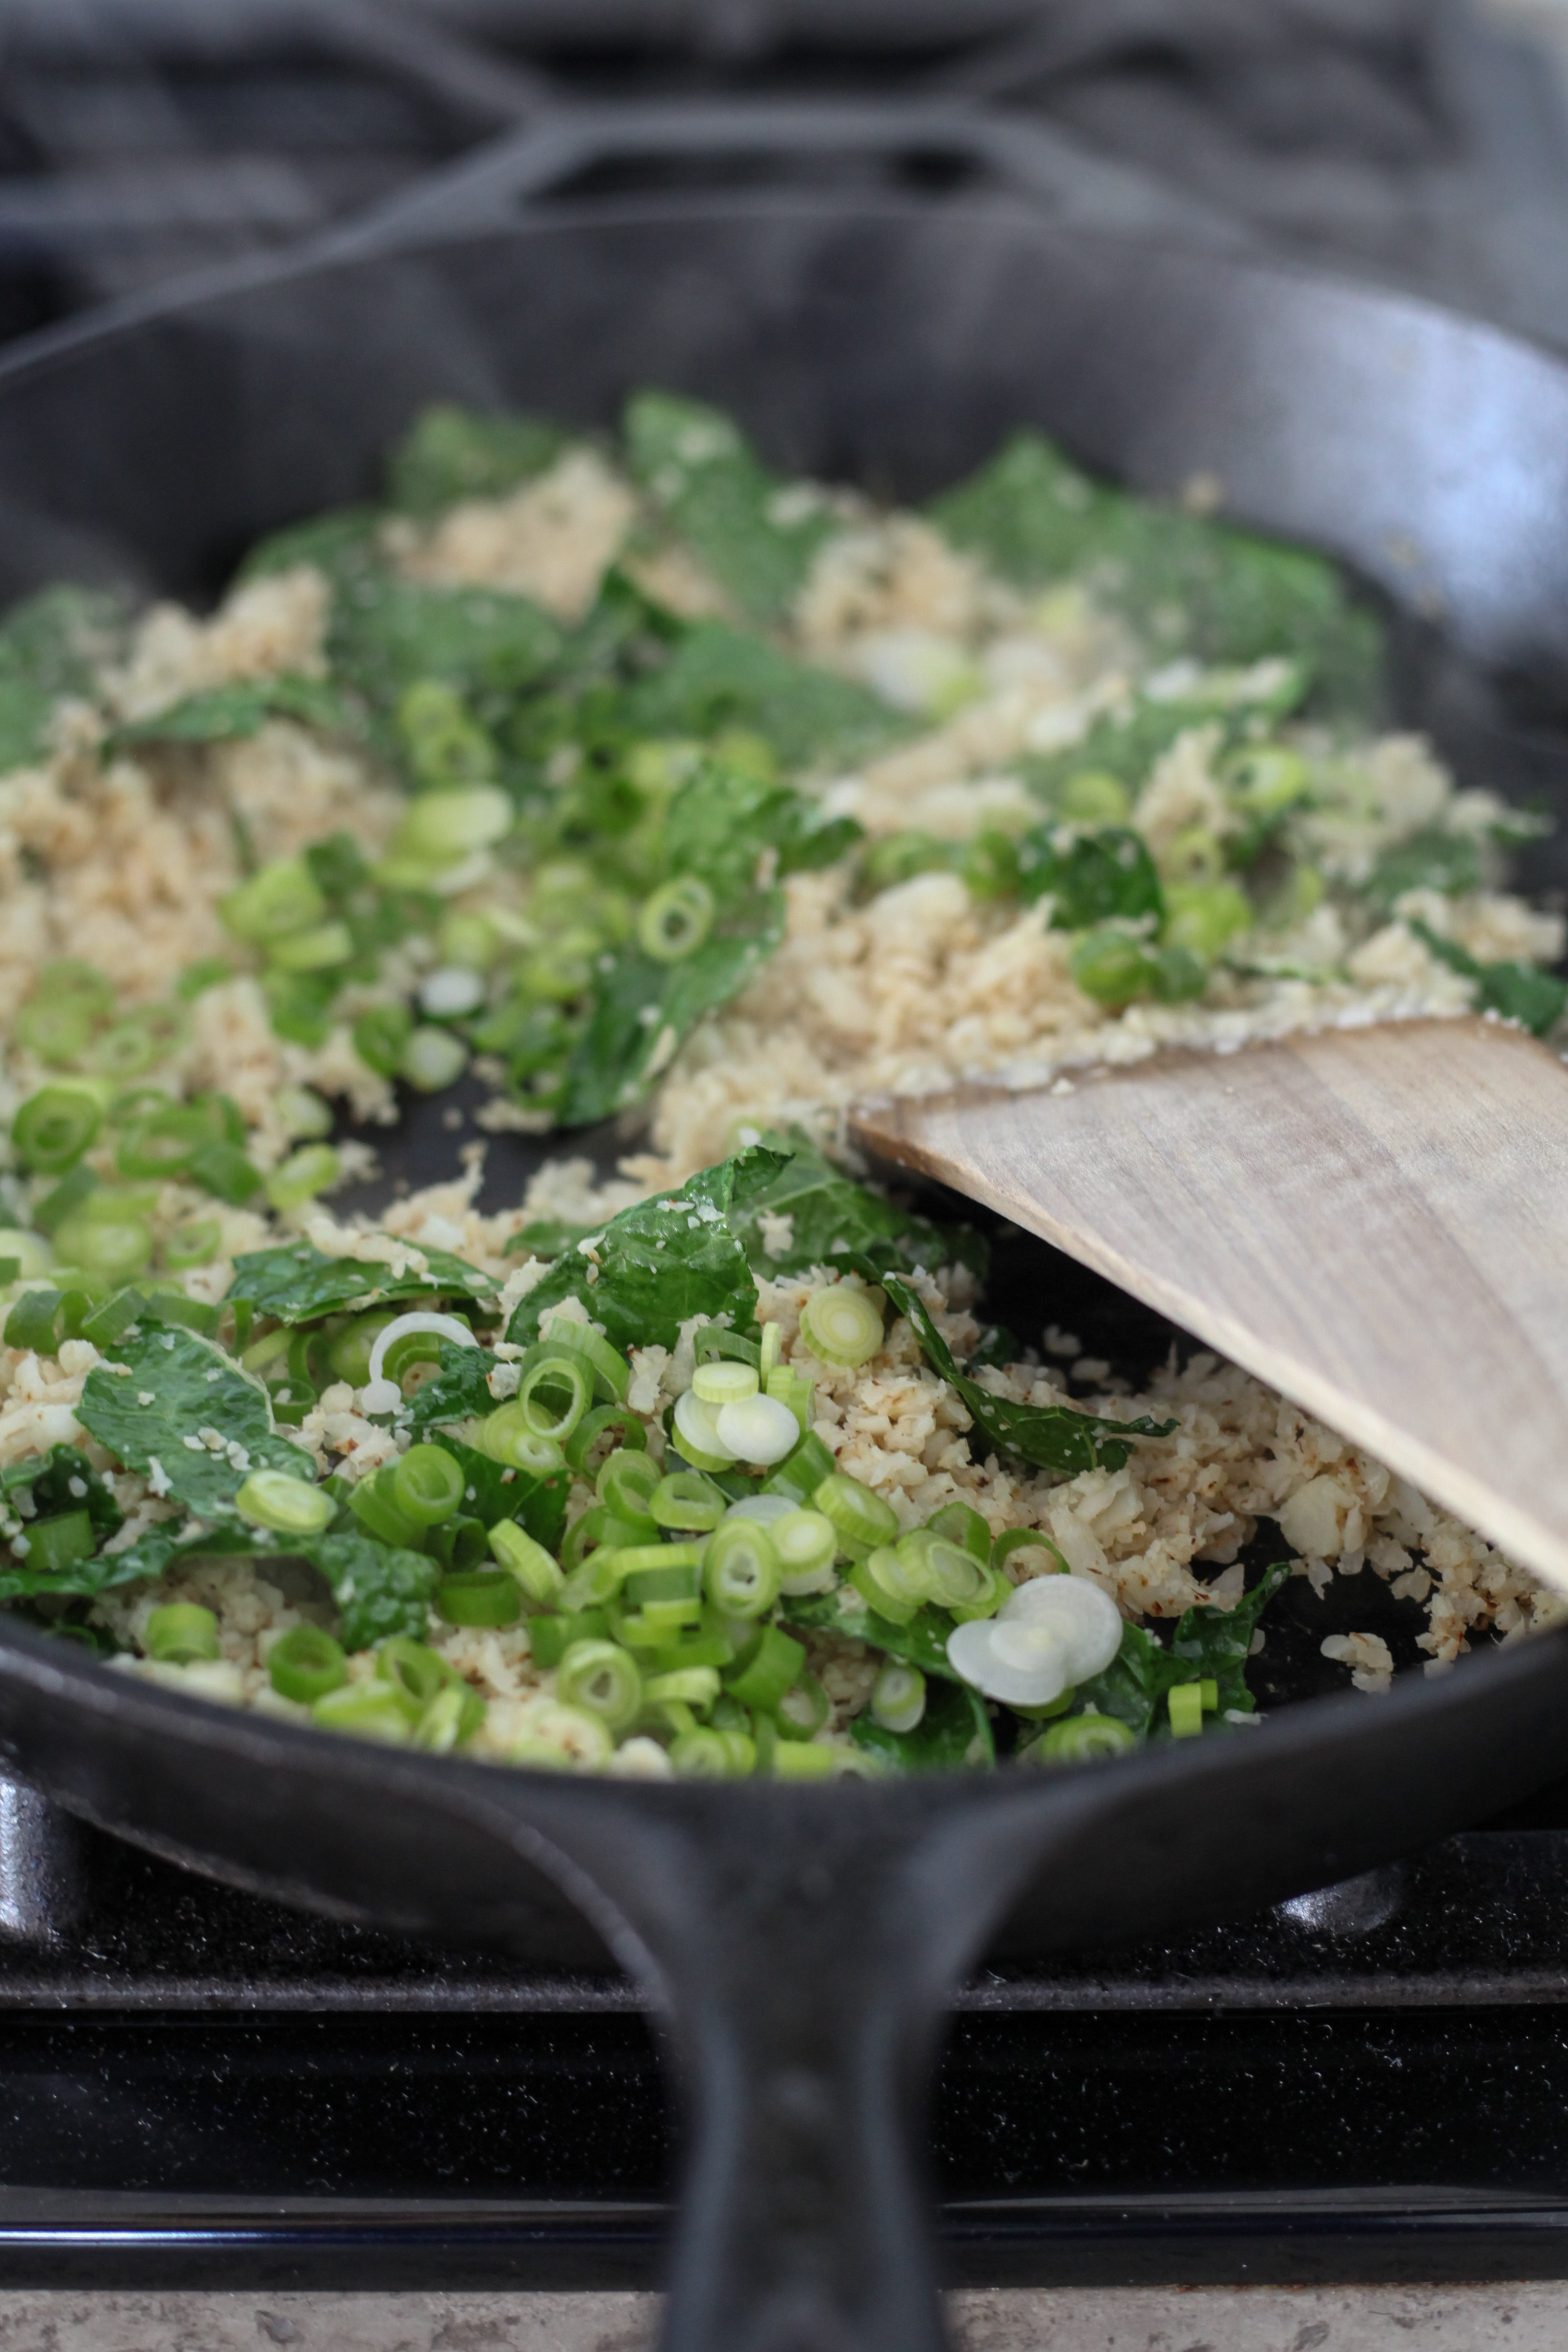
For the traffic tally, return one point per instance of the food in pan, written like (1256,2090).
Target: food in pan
(634,782)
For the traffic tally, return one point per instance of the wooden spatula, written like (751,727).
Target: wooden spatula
(1375,1221)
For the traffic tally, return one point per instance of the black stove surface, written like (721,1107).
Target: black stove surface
(200,2087)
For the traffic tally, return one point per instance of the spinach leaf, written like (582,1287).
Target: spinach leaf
(454,453)
(1430,860)
(189,1386)
(1189,586)
(63,1480)
(388,634)
(295,1284)
(1053,1437)
(224,713)
(662,1261)
(49,646)
(922,1642)
(1517,992)
(717,679)
(379,1590)
(832,1217)
(492,1492)
(1093,877)
(953,1735)
(340,543)
(1206,1642)
(459,1390)
(695,465)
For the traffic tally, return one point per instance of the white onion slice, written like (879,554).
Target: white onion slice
(1083,1619)
(758,1430)
(1036,1674)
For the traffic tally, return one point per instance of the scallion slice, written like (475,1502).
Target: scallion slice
(59,1542)
(428,1485)
(1080,1740)
(305,1664)
(697,1433)
(302,1175)
(451,1719)
(759,1430)
(899,1700)
(841,1326)
(720,1383)
(1186,1705)
(551,1396)
(285,1506)
(676,919)
(604,1678)
(539,1576)
(1015,1539)
(741,1569)
(54,1128)
(859,1517)
(772,1670)
(803,1710)
(805,1544)
(196,1243)
(180,1634)
(480,1596)
(627,1483)
(685,1498)
(611,1373)
(370,1710)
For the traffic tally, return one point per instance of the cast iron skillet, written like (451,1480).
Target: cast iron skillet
(800,1941)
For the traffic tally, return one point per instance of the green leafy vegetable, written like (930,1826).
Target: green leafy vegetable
(494,1492)
(192,1388)
(380,1589)
(1517,992)
(295,1284)
(50,645)
(749,530)
(224,713)
(1430,860)
(663,1261)
(455,452)
(833,1218)
(459,1390)
(1207,1641)
(719,679)
(1053,1437)
(953,1735)
(1093,877)
(922,1642)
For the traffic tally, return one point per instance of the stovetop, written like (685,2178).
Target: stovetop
(200,2087)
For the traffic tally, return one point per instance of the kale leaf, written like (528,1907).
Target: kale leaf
(833,1218)
(953,1735)
(388,634)
(452,453)
(295,1283)
(224,713)
(459,1390)
(494,1492)
(1430,860)
(721,501)
(189,1386)
(1207,1641)
(922,1642)
(379,1589)
(49,646)
(663,1261)
(717,679)
(1053,1437)
(1093,877)
(1516,991)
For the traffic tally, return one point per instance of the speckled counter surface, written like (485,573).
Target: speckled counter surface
(1524,2318)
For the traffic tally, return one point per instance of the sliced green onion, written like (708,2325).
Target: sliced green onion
(470,942)
(1204,917)
(1186,1704)
(414,1671)
(432,1059)
(281,897)
(67,980)
(676,920)
(302,1175)
(945,1573)
(759,1430)
(370,1710)
(347,1354)
(899,1700)
(685,1498)
(181,1633)
(55,1033)
(741,1569)
(33,1257)
(713,1341)
(222,1169)
(428,1485)
(1112,965)
(319,948)
(450,1720)
(540,1575)
(841,1326)
(772,1670)
(628,1430)
(54,1128)
(1080,1740)
(381,1038)
(289,1507)
(68,1195)
(795,1393)
(305,1664)
(369,1500)
(441,828)
(196,1243)
(805,1544)
(857,1516)
(561,1737)
(806,1759)
(724,1383)
(1017,1539)
(611,1372)
(551,1396)
(302,1112)
(690,1686)
(962,1526)
(769,1355)
(60,1542)
(30,1323)
(803,1710)
(208,971)
(704,1754)
(697,1433)
(1210,1689)
(901,1585)
(627,1483)
(604,1678)
(480,1596)
(112,1248)
(507,1437)
(877,1592)
(451,992)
